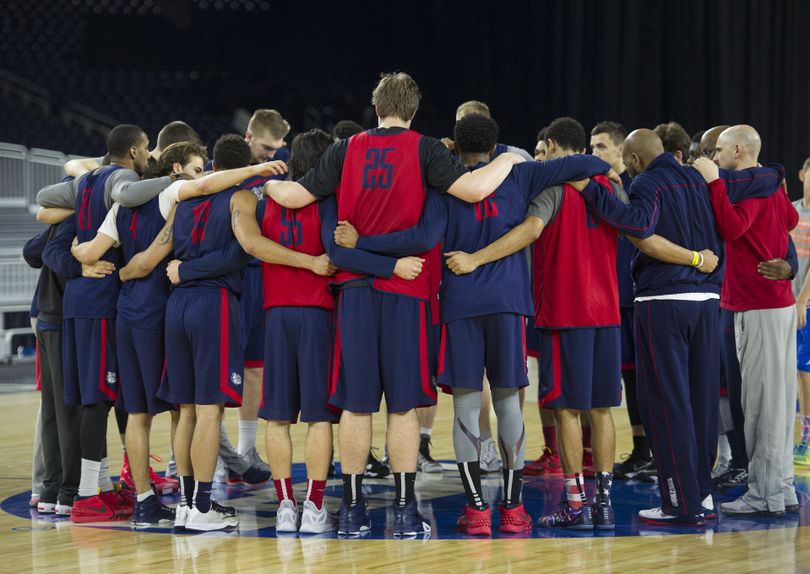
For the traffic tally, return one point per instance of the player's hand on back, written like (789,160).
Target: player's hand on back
(98,270)
(710,261)
(707,168)
(173,271)
(460,262)
(775,269)
(449,144)
(276,167)
(322,266)
(408,268)
(346,235)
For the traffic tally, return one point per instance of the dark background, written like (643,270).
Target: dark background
(699,62)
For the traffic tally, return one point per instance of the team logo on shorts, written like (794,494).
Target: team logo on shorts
(112,378)
(673,495)
(236,379)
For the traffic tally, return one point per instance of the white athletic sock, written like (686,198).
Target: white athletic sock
(247,436)
(424,431)
(88,485)
(723,449)
(105,483)
(143,496)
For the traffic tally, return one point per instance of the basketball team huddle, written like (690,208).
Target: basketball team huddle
(384,264)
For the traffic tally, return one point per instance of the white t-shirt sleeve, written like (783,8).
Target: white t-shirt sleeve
(108,227)
(169,197)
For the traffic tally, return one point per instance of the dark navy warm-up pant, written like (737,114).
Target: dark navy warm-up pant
(678,370)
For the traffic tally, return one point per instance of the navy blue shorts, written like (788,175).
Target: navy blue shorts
(380,347)
(580,368)
(203,348)
(89,361)
(296,375)
(628,339)
(495,342)
(803,347)
(141,363)
(251,307)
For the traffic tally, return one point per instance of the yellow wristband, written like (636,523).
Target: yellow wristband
(695,258)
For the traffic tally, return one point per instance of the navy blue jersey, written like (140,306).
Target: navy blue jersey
(672,200)
(502,286)
(201,226)
(86,297)
(142,301)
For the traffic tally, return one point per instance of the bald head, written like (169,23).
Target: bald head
(709,140)
(738,147)
(640,148)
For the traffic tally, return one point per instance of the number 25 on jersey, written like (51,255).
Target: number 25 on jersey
(377,172)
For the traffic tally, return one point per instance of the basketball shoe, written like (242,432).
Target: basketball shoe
(354,520)
(287,516)
(475,522)
(634,464)
(425,462)
(151,512)
(489,460)
(658,517)
(514,520)
(95,509)
(567,517)
(602,515)
(547,465)
(315,521)
(121,501)
(251,477)
(214,519)
(408,521)
(375,468)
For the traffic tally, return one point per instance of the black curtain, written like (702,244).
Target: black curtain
(639,62)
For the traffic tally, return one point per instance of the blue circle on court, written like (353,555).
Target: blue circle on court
(441,499)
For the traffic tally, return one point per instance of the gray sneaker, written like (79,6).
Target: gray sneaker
(287,517)
(252,456)
(314,521)
(741,507)
(721,468)
(489,456)
(425,462)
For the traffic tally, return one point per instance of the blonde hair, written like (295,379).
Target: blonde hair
(473,107)
(268,121)
(396,95)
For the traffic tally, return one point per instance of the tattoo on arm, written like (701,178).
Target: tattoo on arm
(166,236)
(235,219)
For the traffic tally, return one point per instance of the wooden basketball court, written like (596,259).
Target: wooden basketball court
(33,545)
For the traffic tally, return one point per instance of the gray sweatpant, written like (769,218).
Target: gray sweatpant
(766,348)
